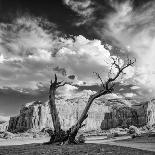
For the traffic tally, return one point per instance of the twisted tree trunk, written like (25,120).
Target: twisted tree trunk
(59,134)
(55,117)
(84,115)
(54,113)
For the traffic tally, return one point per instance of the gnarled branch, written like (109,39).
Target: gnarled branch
(54,85)
(109,85)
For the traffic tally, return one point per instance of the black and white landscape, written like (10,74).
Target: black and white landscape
(77,77)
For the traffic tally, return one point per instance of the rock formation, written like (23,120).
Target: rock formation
(4,122)
(36,115)
(122,116)
(104,113)
(33,115)
(151,113)
(4,126)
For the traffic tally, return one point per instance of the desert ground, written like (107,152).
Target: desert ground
(94,146)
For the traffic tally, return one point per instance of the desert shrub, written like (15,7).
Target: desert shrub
(81,138)
(115,134)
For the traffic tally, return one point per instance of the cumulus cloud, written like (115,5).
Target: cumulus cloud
(67,90)
(130,95)
(27,55)
(82,57)
(134,29)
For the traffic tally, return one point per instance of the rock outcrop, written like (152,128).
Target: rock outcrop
(33,116)
(4,126)
(151,113)
(122,116)
(6,135)
(36,115)
(119,117)
(4,122)
(104,113)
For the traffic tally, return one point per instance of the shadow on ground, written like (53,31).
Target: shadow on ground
(85,149)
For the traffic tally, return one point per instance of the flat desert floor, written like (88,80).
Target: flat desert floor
(93,146)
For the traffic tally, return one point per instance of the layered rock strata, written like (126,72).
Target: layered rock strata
(138,115)
(36,115)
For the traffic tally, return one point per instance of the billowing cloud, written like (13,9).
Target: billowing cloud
(130,95)
(67,90)
(134,29)
(28,55)
(25,51)
(82,57)
(25,37)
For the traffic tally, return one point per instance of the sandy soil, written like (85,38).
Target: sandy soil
(84,149)
(22,141)
(143,143)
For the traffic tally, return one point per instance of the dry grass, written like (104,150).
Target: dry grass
(85,149)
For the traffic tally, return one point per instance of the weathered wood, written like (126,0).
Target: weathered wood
(53,109)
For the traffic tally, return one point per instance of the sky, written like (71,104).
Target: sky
(74,39)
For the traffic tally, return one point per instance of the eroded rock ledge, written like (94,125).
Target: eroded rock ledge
(138,115)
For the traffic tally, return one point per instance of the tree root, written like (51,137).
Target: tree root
(64,138)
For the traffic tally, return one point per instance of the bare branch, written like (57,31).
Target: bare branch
(120,69)
(60,82)
(55,79)
(54,85)
(109,85)
(99,77)
(60,85)
(116,63)
(110,71)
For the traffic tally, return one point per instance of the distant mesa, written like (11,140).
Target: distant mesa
(103,114)
(36,115)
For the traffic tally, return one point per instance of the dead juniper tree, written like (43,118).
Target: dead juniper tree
(106,87)
(59,135)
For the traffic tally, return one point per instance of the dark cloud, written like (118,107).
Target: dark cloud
(72,77)
(11,100)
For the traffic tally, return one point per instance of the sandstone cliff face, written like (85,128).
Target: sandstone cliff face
(33,115)
(102,114)
(137,115)
(120,117)
(4,127)
(151,113)
(36,115)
